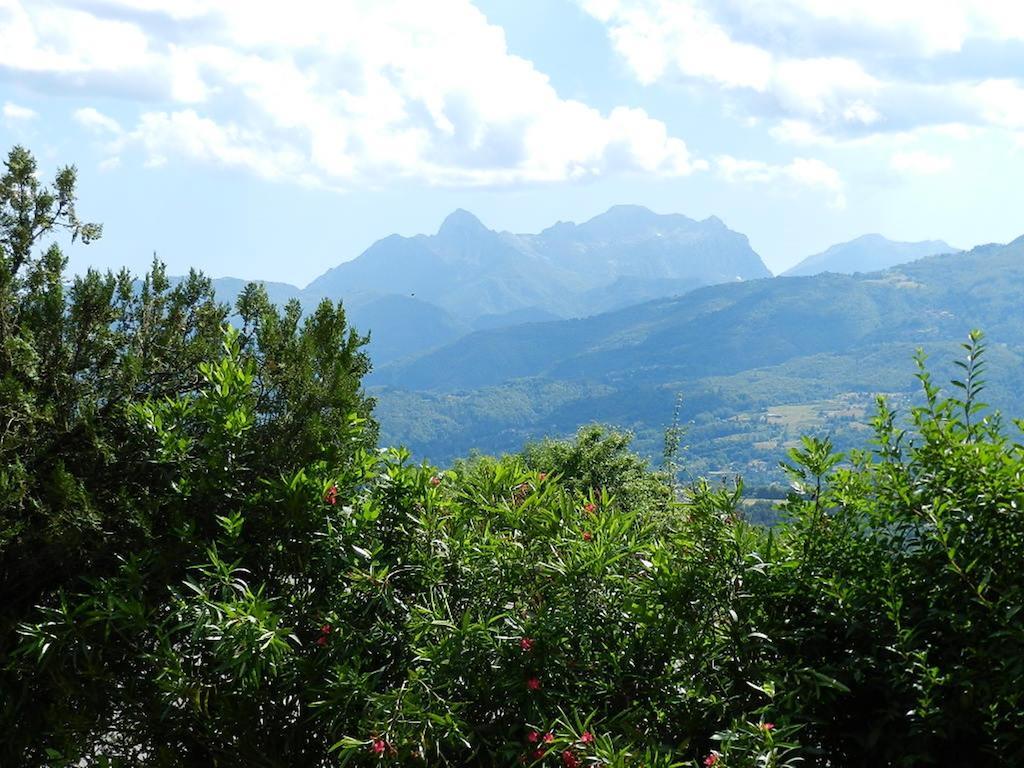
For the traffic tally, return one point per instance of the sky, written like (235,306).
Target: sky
(270,140)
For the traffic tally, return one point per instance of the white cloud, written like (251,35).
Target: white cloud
(14,111)
(68,42)
(920,162)
(802,172)
(333,91)
(921,27)
(1001,102)
(95,121)
(680,35)
(824,69)
(189,135)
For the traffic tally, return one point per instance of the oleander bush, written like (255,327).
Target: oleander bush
(206,560)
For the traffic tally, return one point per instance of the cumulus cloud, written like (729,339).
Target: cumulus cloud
(920,162)
(332,92)
(13,111)
(95,121)
(829,70)
(803,172)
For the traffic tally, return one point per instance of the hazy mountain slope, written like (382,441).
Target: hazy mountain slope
(718,328)
(632,242)
(757,362)
(466,269)
(732,327)
(868,253)
(626,254)
(399,326)
(416,293)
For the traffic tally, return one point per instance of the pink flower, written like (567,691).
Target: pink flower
(526,644)
(549,737)
(532,737)
(590,507)
(767,727)
(378,747)
(435,480)
(711,759)
(533,684)
(587,536)
(569,759)
(331,497)
(587,737)
(325,630)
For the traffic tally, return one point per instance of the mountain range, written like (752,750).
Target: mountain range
(417,293)
(867,253)
(485,339)
(476,274)
(755,362)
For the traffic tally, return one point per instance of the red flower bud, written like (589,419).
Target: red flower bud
(711,759)
(526,644)
(435,480)
(549,737)
(587,536)
(533,684)
(532,737)
(379,746)
(587,737)
(569,759)
(590,507)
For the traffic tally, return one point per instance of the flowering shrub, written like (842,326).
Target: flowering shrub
(478,615)
(496,618)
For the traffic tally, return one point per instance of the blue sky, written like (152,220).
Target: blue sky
(259,142)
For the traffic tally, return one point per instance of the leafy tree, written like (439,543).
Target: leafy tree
(76,356)
(898,598)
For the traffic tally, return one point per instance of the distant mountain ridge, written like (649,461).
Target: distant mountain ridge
(867,253)
(472,272)
(734,326)
(416,293)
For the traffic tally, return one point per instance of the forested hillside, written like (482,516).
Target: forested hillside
(755,363)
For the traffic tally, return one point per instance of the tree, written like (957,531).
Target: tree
(77,356)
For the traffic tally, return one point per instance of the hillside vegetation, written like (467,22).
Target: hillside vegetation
(738,354)
(206,560)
